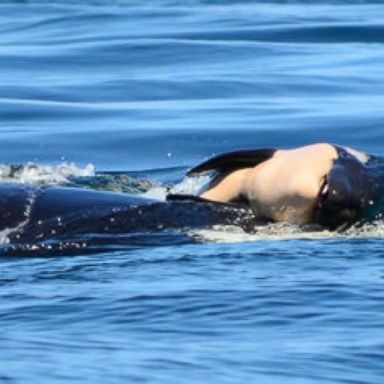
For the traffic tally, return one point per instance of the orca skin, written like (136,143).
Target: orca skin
(31,213)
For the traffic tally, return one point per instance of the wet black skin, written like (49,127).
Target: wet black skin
(58,212)
(353,193)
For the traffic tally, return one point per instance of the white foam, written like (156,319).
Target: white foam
(43,174)
(188,186)
(283,231)
(157,192)
(234,234)
(368,230)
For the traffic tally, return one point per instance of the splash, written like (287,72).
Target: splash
(191,185)
(374,229)
(188,186)
(43,174)
(157,192)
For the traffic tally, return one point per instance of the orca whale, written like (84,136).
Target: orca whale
(31,213)
(319,184)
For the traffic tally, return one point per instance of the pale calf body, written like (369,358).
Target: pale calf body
(284,187)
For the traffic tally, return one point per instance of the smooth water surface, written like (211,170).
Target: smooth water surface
(126,96)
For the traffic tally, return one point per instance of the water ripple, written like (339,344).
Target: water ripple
(143,91)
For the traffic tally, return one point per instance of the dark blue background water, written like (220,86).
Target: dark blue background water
(155,87)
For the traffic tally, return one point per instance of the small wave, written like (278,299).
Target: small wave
(276,231)
(368,230)
(285,231)
(43,174)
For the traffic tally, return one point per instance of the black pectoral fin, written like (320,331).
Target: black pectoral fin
(231,161)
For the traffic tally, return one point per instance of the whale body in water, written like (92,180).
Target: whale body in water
(318,184)
(30,213)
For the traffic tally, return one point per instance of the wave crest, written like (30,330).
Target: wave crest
(43,174)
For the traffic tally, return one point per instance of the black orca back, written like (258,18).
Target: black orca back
(57,212)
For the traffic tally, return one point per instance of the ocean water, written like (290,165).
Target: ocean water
(127,95)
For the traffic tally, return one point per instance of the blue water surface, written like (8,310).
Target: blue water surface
(148,89)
